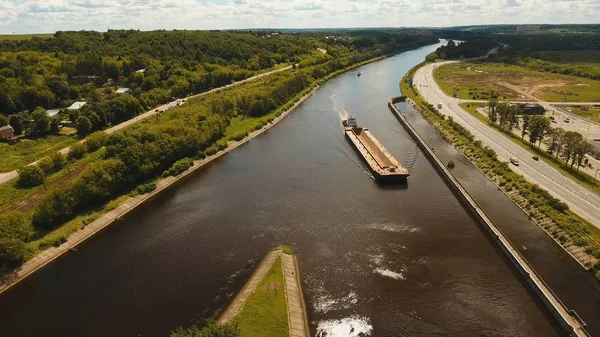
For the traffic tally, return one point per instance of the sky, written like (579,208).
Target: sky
(48,16)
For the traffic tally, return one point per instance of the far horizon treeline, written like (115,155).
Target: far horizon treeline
(166,144)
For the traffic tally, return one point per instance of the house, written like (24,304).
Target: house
(76,105)
(52,113)
(140,70)
(6,132)
(122,90)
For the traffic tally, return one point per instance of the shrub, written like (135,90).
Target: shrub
(12,253)
(146,188)
(46,165)
(30,176)
(212,329)
(179,167)
(451,164)
(58,161)
(77,151)
(96,140)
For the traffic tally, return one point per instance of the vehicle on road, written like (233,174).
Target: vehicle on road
(514,161)
(566,120)
(359,73)
(439,105)
(535,158)
(551,118)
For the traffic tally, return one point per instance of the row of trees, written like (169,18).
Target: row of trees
(569,145)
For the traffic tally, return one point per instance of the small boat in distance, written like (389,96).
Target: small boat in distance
(359,73)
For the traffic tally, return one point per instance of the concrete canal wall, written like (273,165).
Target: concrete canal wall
(567,319)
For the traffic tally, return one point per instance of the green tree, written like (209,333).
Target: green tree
(84,126)
(77,151)
(571,140)
(581,150)
(3,120)
(16,124)
(30,176)
(556,140)
(493,108)
(41,120)
(524,125)
(539,127)
(12,253)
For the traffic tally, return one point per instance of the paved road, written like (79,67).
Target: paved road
(8,176)
(580,199)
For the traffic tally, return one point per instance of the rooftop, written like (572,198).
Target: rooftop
(76,105)
(52,113)
(122,90)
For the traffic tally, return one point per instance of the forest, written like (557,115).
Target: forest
(132,160)
(156,67)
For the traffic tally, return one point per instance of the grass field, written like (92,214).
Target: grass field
(265,313)
(477,80)
(29,150)
(586,112)
(20,37)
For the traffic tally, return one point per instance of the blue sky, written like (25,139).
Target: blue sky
(46,16)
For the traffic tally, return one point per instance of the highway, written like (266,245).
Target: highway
(8,176)
(581,200)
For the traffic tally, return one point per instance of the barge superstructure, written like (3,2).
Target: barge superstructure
(381,163)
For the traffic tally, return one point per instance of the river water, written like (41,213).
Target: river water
(375,260)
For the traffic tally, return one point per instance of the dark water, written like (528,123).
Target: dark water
(387,261)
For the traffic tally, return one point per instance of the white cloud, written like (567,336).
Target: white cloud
(33,16)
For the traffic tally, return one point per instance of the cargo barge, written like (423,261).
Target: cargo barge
(381,163)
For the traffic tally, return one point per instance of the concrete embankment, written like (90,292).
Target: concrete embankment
(296,308)
(109,217)
(567,319)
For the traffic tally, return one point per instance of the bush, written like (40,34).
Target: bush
(212,329)
(451,164)
(46,165)
(14,226)
(179,167)
(30,176)
(12,253)
(96,140)
(58,161)
(146,188)
(77,151)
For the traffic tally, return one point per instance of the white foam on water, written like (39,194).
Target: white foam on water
(325,302)
(396,228)
(389,273)
(353,326)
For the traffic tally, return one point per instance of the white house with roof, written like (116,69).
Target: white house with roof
(122,90)
(53,112)
(76,105)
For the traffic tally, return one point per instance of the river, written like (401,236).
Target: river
(385,261)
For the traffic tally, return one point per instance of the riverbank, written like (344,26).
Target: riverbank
(47,256)
(570,322)
(573,233)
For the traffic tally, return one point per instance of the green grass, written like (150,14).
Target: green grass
(581,177)
(589,113)
(29,150)
(20,37)
(286,249)
(482,78)
(265,313)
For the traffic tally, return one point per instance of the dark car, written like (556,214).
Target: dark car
(535,158)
